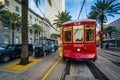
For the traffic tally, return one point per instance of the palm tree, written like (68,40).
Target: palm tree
(14,19)
(110,30)
(102,9)
(24,55)
(1,10)
(38,2)
(37,29)
(105,31)
(54,35)
(61,18)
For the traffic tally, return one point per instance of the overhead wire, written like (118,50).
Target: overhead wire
(86,10)
(76,7)
(81,9)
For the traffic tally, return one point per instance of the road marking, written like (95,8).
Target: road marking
(50,70)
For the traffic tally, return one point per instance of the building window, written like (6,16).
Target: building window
(7,3)
(18,28)
(30,31)
(30,17)
(17,8)
(30,40)
(35,19)
(17,40)
(6,25)
(6,39)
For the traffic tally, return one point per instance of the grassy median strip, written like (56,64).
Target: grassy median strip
(50,70)
(17,67)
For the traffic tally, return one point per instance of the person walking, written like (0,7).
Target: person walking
(48,48)
(55,47)
(44,49)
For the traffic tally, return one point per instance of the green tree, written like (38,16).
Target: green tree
(102,9)
(61,18)
(111,29)
(1,10)
(37,2)
(37,29)
(54,35)
(24,55)
(14,19)
(105,31)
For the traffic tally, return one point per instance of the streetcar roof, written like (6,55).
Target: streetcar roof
(78,21)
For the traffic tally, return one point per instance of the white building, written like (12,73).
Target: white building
(6,31)
(51,11)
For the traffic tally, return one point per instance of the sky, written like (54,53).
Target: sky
(73,6)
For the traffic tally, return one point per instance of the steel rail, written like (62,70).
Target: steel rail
(98,74)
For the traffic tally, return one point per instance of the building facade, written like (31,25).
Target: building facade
(6,29)
(51,11)
(114,40)
(115,34)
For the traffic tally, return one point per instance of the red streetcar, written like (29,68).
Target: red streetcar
(79,40)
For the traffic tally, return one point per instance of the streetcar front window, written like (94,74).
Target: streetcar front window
(78,33)
(68,34)
(89,33)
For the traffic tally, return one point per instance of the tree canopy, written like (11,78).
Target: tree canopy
(61,18)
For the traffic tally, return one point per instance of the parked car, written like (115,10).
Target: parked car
(12,51)
(2,47)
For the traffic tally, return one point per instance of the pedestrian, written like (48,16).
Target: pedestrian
(55,47)
(44,50)
(48,48)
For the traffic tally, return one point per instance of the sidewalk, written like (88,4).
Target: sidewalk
(34,72)
(109,51)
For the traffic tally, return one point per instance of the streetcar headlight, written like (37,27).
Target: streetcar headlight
(78,50)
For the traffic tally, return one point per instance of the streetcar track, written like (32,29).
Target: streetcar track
(66,71)
(98,74)
(110,53)
(114,62)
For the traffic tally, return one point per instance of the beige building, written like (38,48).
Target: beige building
(51,11)
(6,31)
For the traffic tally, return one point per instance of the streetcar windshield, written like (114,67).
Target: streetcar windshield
(89,33)
(68,34)
(78,33)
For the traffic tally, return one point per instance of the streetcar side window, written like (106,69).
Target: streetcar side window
(68,34)
(89,33)
(78,33)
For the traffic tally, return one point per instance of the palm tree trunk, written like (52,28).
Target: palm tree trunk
(39,37)
(101,37)
(110,35)
(24,55)
(13,29)
(34,36)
